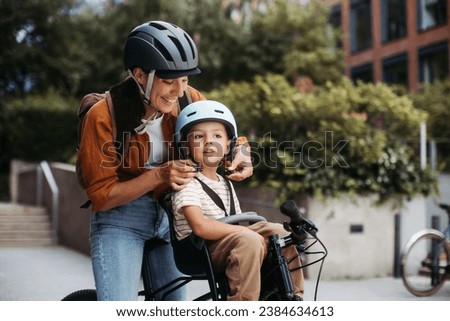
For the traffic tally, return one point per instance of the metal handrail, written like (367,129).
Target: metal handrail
(44,171)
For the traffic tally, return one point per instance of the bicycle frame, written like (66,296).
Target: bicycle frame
(282,285)
(277,263)
(283,275)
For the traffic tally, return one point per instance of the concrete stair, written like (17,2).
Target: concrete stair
(24,226)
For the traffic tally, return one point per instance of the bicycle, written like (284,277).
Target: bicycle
(276,279)
(425,261)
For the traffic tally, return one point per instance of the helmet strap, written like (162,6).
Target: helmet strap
(148,89)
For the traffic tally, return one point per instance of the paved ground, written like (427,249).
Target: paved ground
(50,273)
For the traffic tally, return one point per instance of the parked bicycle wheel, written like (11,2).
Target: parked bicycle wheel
(82,295)
(424,263)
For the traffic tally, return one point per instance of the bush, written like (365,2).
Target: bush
(434,99)
(39,128)
(338,139)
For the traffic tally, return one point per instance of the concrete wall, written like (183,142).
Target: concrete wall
(363,239)
(73,222)
(360,236)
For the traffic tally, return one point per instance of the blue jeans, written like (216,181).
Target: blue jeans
(117,247)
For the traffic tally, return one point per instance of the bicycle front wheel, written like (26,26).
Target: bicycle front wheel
(82,295)
(424,263)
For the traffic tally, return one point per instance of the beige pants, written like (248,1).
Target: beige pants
(240,255)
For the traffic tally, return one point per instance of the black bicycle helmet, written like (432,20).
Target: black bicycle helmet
(161,47)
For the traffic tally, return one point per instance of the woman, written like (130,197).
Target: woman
(123,180)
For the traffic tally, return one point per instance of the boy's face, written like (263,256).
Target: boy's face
(208,143)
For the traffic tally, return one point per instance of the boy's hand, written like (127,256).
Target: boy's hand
(241,167)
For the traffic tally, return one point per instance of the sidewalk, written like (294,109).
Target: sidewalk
(50,273)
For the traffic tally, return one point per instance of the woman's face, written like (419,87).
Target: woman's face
(165,93)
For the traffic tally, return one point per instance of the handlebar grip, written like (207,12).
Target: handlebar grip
(290,209)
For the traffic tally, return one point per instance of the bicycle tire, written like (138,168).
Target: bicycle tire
(270,296)
(82,295)
(424,263)
(277,295)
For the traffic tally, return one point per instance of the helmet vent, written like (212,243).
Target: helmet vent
(191,45)
(157,26)
(218,111)
(162,49)
(180,48)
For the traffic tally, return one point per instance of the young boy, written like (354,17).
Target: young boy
(206,132)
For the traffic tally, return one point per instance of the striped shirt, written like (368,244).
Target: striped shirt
(193,194)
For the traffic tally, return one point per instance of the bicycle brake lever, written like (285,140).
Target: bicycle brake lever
(297,231)
(286,226)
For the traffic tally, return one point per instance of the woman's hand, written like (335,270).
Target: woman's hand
(178,173)
(241,167)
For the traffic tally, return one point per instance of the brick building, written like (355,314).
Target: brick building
(394,41)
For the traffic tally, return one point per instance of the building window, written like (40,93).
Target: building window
(395,70)
(431,13)
(433,62)
(335,16)
(363,73)
(360,25)
(393,19)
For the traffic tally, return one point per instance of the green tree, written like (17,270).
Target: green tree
(296,40)
(35,42)
(277,40)
(215,34)
(67,46)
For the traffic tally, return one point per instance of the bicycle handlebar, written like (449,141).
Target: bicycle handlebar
(290,209)
(445,207)
(298,225)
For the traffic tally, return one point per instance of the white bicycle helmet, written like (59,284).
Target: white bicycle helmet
(201,111)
